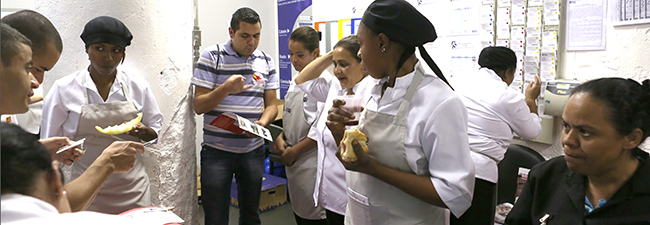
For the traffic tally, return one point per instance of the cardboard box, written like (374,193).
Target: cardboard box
(274,193)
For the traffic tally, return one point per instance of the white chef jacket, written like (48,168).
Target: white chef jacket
(62,104)
(31,120)
(494,112)
(435,142)
(20,209)
(330,188)
(312,106)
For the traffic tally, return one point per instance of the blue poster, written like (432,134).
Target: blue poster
(291,14)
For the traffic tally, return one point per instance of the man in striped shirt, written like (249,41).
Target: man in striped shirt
(234,77)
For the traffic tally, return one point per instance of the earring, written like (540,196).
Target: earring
(383,50)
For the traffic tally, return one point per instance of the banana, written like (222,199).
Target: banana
(348,152)
(121,128)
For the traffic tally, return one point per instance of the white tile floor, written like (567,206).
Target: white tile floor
(282,215)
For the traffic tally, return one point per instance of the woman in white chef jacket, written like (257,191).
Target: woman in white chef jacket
(352,80)
(297,152)
(418,166)
(494,112)
(103,95)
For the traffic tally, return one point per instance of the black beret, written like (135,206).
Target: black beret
(497,58)
(105,29)
(400,21)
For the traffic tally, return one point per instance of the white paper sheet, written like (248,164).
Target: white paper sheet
(464,19)
(518,14)
(586,25)
(504,43)
(503,30)
(535,2)
(549,39)
(552,17)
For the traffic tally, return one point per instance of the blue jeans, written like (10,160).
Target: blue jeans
(217,168)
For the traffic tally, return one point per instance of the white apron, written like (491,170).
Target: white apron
(370,200)
(120,191)
(301,175)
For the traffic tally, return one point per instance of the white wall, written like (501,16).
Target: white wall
(10,6)
(214,20)
(161,53)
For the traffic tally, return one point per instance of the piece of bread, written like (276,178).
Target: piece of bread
(347,152)
(121,128)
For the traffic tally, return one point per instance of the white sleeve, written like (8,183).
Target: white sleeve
(523,122)
(152,117)
(317,88)
(450,164)
(54,114)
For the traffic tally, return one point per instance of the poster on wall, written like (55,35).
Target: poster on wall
(291,14)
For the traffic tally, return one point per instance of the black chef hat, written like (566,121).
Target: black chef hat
(105,29)
(404,24)
(497,58)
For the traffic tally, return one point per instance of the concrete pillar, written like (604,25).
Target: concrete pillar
(161,53)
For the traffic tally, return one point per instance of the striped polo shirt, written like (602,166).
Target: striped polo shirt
(216,65)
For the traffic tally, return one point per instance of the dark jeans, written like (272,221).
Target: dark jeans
(334,218)
(483,205)
(217,168)
(301,221)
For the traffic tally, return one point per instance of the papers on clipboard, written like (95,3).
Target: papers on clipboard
(237,124)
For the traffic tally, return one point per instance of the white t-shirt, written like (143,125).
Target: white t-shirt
(311,107)
(494,112)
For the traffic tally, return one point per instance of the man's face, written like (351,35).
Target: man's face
(44,62)
(17,82)
(246,39)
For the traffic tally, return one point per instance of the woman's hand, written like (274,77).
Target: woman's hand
(533,89)
(365,163)
(288,157)
(281,144)
(336,119)
(53,144)
(143,132)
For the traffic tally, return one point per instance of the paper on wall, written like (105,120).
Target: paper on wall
(535,2)
(549,39)
(518,32)
(552,17)
(503,30)
(485,2)
(551,5)
(517,45)
(547,75)
(533,31)
(503,14)
(531,58)
(518,14)
(504,43)
(532,42)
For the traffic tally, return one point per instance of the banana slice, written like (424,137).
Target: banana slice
(348,152)
(121,128)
